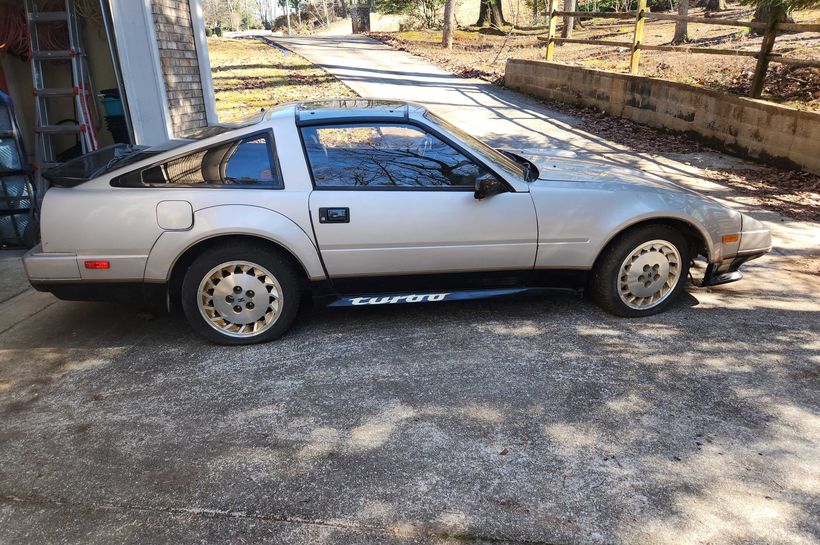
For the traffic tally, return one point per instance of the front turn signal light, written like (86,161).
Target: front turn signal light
(730,239)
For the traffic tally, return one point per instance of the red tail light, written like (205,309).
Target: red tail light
(97,265)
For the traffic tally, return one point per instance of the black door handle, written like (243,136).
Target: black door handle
(334,215)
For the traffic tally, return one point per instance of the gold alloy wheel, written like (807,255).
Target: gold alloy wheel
(240,298)
(649,274)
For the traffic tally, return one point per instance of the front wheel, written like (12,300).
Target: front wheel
(240,294)
(642,272)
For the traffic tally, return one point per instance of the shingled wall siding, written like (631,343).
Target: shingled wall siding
(180,68)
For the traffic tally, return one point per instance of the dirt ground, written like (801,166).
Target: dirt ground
(793,193)
(481,53)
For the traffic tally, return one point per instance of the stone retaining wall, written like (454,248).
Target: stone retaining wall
(743,126)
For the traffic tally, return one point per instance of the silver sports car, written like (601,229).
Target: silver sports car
(366,202)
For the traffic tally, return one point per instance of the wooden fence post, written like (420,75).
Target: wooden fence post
(551,21)
(637,37)
(763,57)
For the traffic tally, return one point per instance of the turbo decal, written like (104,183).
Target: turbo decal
(392,300)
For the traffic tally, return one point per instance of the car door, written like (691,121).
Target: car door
(394,199)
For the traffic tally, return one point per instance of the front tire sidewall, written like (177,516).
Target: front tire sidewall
(277,265)
(605,277)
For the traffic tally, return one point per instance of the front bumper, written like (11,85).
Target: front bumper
(726,271)
(755,241)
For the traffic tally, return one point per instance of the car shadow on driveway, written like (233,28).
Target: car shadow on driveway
(535,419)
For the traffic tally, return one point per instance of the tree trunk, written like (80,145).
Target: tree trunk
(715,5)
(764,13)
(681,27)
(491,14)
(449,24)
(327,14)
(344,9)
(569,22)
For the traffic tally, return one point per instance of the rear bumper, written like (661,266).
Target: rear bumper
(59,274)
(50,267)
(141,295)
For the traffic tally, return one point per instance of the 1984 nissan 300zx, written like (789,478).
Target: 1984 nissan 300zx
(365,202)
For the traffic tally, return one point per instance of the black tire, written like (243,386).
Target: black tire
(273,261)
(605,281)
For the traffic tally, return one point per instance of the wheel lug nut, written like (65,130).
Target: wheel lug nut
(237,308)
(229,298)
(250,293)
(237,289)
(250,305)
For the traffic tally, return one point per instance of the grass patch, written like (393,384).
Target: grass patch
(249,75)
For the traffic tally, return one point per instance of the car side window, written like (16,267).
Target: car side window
(247,162)
(386,156)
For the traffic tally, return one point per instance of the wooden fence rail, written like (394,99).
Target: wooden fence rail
(764,55)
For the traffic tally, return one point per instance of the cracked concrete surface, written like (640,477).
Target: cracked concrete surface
(14,277)
(528,420)
(533,420)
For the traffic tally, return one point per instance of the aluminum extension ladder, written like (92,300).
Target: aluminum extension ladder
(43,60)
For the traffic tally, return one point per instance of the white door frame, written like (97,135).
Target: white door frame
(201,42)
(142,75)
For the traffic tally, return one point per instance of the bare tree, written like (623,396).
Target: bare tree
(681,27)
(286,7)
(327,16)
(449,23)
(569,22)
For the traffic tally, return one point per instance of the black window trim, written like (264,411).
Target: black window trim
(384,120)
(273,155)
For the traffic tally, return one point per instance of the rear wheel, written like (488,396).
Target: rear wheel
(240,294)
(641,272)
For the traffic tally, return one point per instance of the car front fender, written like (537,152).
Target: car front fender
(224,220)
(577,220)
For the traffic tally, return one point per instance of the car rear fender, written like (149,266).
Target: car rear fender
(224,220)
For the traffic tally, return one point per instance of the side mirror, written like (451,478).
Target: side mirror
(487,186)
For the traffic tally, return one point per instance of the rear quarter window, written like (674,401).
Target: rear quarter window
(247,162)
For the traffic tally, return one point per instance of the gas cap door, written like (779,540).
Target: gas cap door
(175,215)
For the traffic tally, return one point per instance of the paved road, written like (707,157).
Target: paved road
(522,421)
(11,271)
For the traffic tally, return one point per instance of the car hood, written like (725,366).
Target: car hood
(566,166)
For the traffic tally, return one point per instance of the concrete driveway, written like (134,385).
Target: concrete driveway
(524,421)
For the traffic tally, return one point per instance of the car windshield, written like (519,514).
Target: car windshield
(498,158)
